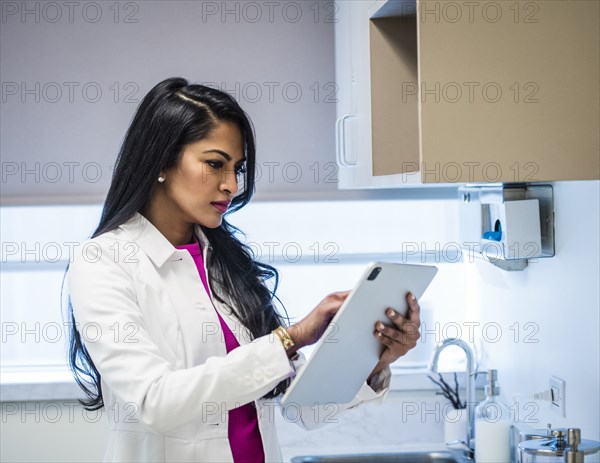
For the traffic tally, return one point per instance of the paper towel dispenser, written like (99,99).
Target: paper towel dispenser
(508,225)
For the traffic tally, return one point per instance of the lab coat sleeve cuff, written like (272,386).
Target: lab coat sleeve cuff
(298,361)
(377,389)
(270,347)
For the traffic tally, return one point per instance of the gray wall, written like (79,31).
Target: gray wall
(71,77)
(51,431)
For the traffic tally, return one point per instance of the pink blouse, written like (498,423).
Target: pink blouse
(244,435)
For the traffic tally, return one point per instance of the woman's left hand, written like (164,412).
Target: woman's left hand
(399,338)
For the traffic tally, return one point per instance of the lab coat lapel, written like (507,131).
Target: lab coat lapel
(192,295)
(176,275)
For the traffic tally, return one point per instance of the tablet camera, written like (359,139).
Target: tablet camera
(374,273)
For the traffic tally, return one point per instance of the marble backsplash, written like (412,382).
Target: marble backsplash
(406,420)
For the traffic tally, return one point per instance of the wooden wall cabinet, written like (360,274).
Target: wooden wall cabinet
(439,92)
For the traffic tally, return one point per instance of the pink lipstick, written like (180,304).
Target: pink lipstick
(221,206)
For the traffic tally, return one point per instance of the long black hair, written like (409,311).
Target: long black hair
(172,115)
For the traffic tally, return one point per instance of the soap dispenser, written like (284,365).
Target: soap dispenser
(492,425)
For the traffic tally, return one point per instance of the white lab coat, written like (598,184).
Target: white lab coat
(154,336)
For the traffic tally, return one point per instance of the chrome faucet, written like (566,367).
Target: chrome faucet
(470,381)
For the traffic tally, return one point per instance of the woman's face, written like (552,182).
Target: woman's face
(199,189)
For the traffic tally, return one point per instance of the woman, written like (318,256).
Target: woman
(174,329)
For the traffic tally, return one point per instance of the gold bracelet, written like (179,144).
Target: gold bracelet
(284,336)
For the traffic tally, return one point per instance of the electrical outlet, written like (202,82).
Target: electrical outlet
(557,392)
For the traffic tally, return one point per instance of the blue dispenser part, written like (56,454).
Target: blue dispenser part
(495,235)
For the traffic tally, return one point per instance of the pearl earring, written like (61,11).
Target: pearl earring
(161,179)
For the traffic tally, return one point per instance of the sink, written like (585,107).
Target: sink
(401,457)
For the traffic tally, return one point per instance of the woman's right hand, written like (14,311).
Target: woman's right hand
(310,329)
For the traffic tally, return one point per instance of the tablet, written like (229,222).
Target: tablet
(348,350)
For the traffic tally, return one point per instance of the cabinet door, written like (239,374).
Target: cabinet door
(354,134)
(510,90)
(345,145)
